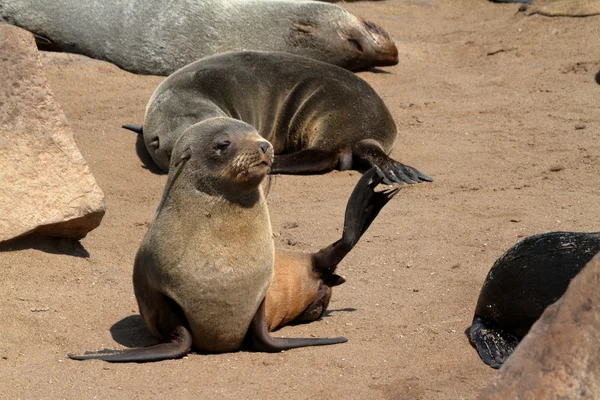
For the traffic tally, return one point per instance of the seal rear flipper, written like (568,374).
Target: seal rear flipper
(370,152)
(307,161)
(179,346)
(493,344)
(44,44)
(363,206)
(259,339)
(135,128)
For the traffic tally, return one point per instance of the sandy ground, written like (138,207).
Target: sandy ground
(501,109)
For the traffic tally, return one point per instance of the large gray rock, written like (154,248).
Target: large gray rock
(560,356)
(45,184)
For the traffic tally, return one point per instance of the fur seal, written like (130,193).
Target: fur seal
(529,277)
(318,117)
(157,37)
(203,269)
(302,283)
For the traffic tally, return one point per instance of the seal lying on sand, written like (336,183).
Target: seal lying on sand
(318,117)
(203,269)
(528,278)
(301,287)
(157,37)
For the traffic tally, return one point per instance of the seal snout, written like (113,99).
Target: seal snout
(267,153)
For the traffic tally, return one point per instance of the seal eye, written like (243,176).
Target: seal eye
(356,45)
(222,146)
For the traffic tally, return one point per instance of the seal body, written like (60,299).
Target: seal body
(156,37)
(317,116)
(203,269)
(520,285)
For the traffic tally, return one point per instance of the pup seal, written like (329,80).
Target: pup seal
(528,278)
(202,272)
(301,286)
(157,37)
(317,116)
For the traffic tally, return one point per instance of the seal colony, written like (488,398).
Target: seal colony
(203,269)
(529,277)
(302,283)
(318,117)
(157,37)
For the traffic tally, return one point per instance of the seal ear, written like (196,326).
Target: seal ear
(186,155)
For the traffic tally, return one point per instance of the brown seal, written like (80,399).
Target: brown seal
(318,116)
(203,269)
(302,283)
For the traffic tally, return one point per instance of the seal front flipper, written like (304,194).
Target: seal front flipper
(179,346)
(259,339)
(370,152)
(307,161)
(493,344)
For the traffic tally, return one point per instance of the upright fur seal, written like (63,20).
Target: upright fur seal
(528,278)
(317,116)
(202,272)
(301,286)
(158,37)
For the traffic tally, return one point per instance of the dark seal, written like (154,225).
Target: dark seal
(318,117)
(529,277)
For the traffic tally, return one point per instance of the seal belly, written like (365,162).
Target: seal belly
(220,308)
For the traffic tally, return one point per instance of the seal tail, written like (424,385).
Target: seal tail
(179,346)
(136,128)
(362,208)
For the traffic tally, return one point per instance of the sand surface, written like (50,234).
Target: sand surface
(502,110)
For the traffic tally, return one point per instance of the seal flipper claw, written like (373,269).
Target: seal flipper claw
(370,152)
(493,344)
(259,339)
(179,346)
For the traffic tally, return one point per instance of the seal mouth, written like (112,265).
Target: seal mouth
(260,167)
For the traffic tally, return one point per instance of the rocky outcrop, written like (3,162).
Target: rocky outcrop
(45,184)
(560,356)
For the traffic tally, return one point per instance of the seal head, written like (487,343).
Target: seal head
(223,156)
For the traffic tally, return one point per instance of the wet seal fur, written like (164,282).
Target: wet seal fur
(203,269)
(318,117)
(529,277)
(157,38)
(302,284)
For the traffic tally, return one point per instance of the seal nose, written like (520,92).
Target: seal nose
(265,146)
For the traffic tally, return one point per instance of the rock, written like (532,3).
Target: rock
(565,8)
(45,184)
(559,357)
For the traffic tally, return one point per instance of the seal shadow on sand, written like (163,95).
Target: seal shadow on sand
(131,331)
(47,244)
(597,78)
(326,314)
